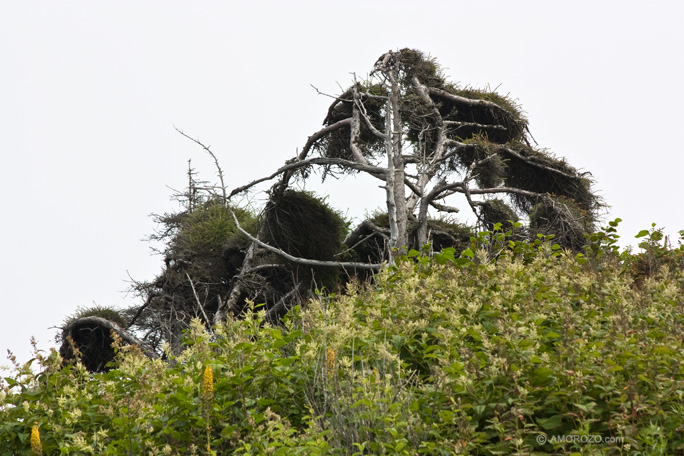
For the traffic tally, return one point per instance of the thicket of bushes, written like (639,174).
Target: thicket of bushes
(485,352)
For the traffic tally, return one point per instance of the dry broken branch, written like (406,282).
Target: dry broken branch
(125,335)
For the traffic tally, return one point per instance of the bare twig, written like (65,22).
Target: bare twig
(281,307)
(216,162)
(372,170)
(465,101)
(534,163)
(199,303)
(475,125)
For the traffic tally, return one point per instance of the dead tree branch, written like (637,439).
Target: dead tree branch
(216,162)
(199,303)
(305,261)
(125,335)
(297,164)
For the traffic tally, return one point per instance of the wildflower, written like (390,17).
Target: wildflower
(36,447)
(208,385)
(330,359)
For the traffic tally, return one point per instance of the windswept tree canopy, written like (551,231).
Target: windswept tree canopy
(441,148)
(436,148)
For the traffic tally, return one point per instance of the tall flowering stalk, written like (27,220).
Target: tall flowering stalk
(208,401)
(36,446)
(208,387)
(330,360)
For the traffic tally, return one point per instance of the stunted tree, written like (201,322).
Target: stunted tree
(436,148)
(429,142)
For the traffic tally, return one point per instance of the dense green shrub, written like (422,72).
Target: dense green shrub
(487,352)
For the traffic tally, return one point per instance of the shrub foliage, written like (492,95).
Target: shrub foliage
(477,353)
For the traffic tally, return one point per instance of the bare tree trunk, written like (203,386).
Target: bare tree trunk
(230,305)
(396,191)
(422,232)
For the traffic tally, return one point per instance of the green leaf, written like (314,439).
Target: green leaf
(542,376)
(642,233)
(663,350)
(286,361)
(526,343)
(447,254)
(586,407)
(552,335)
(279,343)
(550,423)
(462,261)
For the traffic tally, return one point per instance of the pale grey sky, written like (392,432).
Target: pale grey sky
(90,91)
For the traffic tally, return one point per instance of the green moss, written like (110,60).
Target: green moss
(524,174)
(107,312)
(336,143)
(506,103)
(496,211)
(564,219)
(305,226)
(415,63)
(210,227)
(443,233)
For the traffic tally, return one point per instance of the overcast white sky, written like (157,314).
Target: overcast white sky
(90,91)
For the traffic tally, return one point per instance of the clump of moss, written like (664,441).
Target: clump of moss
(563,218)
(444,233)
(306,227)
(498,117)
(496,211)
(89,341)
(412,63)
(336,144)
(210,227)
(107,312)
(539,172)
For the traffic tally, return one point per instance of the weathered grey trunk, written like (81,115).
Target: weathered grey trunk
(396,191)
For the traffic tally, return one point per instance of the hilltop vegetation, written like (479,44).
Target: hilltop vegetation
(435,147)
(477,353)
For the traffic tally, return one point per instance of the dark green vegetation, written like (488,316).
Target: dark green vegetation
(475,354)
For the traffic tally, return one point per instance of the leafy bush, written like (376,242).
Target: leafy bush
(507,347)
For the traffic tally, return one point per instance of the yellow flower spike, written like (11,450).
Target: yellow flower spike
(207,399)
(36,446)
(330,359)
(208,384)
